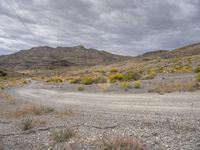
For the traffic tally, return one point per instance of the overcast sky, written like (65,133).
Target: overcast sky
(128,27)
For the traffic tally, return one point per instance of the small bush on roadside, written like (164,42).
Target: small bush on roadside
(26,124)
(198,77)
(80,88)
(33,109)
(125,86)
(151,75)
(75,80)
(87,80)
(129,76)
(197,69)
(137,84)
(116,77)
(54,80)
(104,87)
(121,143)
(62,135)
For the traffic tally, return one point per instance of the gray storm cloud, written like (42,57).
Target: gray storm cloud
(128,27)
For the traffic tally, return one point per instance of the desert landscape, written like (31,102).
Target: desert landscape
(99,75)
(151,101)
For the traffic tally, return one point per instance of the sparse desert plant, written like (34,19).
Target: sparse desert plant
(75,80)
(137,84)
(80,88)
(104,87)
(26,124)
(151,74)
(3,74)
(33,109)
(62,135)
(129,76)
(197,69)
(101,80)
(172,86)
(125,85)
(198,77)
(121,143)
(54,80)
(116,77)
(87,80)
(114,70)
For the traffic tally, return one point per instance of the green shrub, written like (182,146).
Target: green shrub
(101,80)
(137,84)
(151,74)
(87,80)
(113,70)
(198,77)
(3,74)
(131,76)
(197,69)
(116,77)
(54,80)
(125,86)
(75,80)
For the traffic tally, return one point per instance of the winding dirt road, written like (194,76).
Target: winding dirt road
(107,102)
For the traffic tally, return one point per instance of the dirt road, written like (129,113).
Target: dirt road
(169,121)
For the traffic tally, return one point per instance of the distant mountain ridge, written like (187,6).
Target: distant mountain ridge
(48,57)
(189,50)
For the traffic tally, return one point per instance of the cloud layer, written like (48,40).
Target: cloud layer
(128,27)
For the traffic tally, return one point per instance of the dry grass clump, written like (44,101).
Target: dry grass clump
(62,135)
(80,88)
(125,85)
(8,98)
(104,87)
(182,86)
(137,84)
(33,109)
(28,123)
(121,143)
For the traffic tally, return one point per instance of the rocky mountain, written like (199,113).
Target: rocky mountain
(189,50)
(48,57)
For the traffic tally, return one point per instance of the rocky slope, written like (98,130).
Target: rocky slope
(48,57)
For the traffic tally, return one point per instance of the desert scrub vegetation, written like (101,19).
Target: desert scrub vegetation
(116,77)
(54,80)
(173,86)
(125,85)
(118,142)
(62,135)
(104,87)
(80,88)
(137,84)
(198,77)
(33,109)
(197,69)
(151,74)
(26,124)
(113,71)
